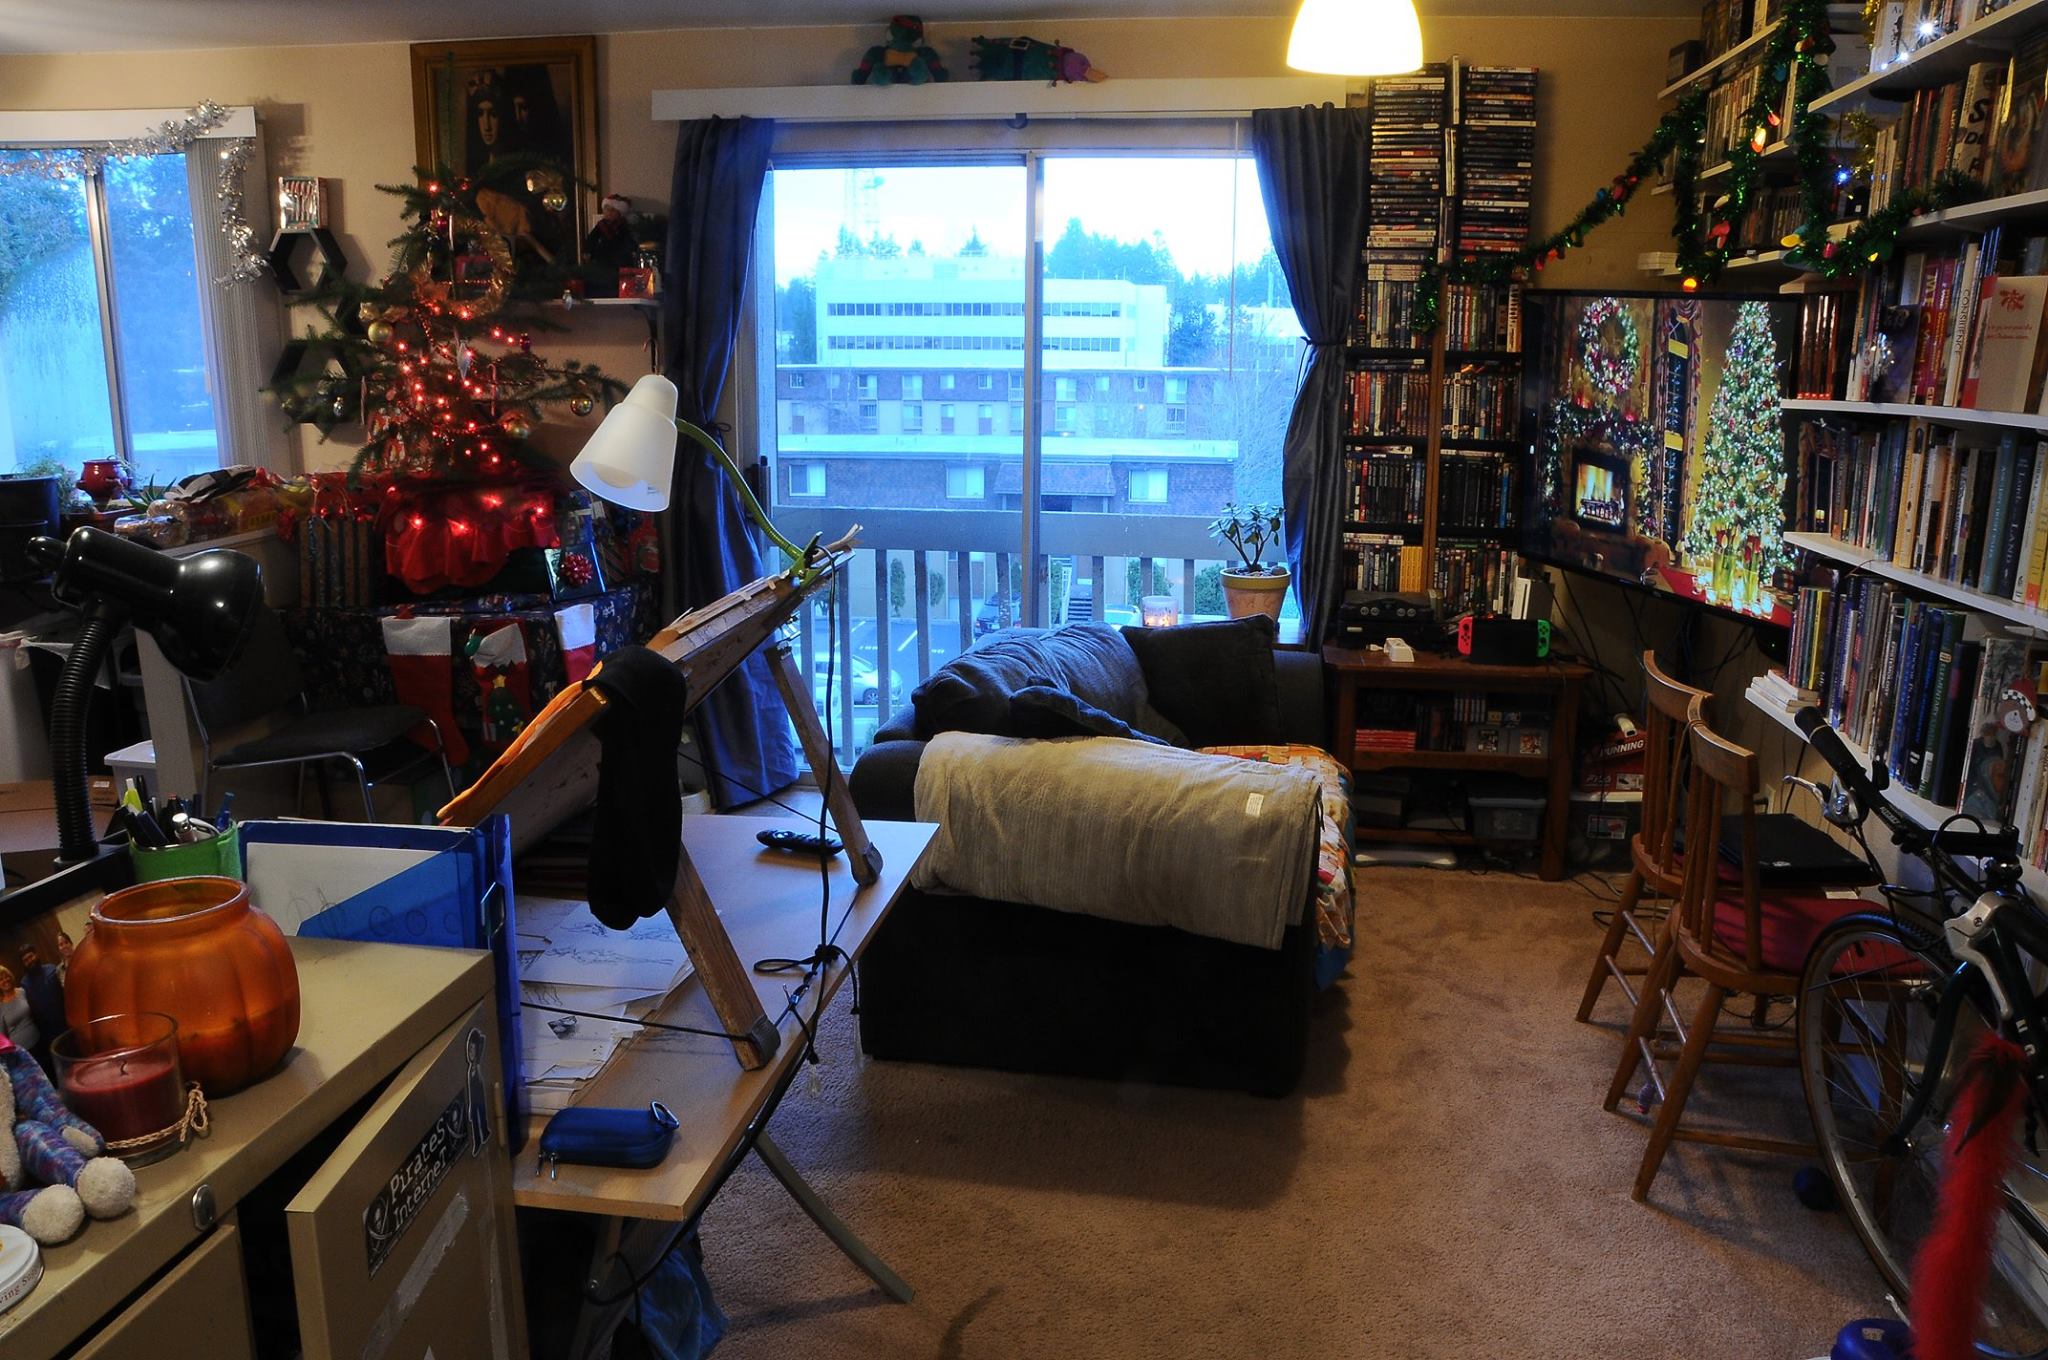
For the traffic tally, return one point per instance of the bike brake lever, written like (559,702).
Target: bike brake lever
(1963,933)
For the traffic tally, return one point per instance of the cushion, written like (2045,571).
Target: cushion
(1791,922)
(971,693)
(1215,681)
(1045,710)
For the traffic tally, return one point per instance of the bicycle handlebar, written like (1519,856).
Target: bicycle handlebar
(1836,752)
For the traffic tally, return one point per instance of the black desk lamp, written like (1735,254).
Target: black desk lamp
(198,609)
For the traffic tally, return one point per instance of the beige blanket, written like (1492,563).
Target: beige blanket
(1121,829)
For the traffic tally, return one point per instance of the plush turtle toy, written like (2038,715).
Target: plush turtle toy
(1032,59)
(53,1167)
(903,60)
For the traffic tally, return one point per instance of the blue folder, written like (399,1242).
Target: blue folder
(459,897)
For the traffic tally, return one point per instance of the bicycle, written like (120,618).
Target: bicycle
(1891,1004)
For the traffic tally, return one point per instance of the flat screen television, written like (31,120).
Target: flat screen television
(1656,447)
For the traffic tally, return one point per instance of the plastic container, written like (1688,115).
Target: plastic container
(133,762)
(1599,826)
(215,857)
(1507,812)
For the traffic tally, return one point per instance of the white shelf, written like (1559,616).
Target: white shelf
(1944,59)
(1958,417)
(1985,213)
(1706,69)
(1925,811)
(1867,560)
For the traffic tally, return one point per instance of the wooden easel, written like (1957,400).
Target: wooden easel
(549,773)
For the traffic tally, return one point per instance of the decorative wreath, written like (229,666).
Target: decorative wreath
(479,278)
(1612,370)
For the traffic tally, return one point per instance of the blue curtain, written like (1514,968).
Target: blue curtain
(1312,174)
(721,165)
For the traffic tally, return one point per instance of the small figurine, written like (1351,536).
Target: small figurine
(611,246)
(1032,59)
(903,60)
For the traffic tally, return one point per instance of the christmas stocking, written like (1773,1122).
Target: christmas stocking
(577,626)
(421,653)
(503,680)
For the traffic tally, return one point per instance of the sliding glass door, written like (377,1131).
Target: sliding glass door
(1032,381)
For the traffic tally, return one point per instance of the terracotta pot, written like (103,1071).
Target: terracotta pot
(1245,595)
(196,950)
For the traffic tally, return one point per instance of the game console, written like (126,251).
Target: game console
(1503,642)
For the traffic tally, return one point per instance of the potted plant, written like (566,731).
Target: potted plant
(1251,585)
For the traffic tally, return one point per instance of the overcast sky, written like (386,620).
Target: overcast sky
(1208,207)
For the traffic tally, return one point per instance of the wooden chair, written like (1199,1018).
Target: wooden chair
(1655,862)
(1732,936)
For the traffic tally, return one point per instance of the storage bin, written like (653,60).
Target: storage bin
(1510,811)
(1599,826)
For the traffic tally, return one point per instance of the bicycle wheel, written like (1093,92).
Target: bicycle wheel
(1867,1007)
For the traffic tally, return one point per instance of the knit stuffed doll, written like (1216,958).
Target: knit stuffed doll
(1032,59)
(58,1152)
(903,60)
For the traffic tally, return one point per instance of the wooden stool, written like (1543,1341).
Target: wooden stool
(1655,861)
(1750,942)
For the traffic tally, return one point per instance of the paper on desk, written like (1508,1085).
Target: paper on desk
(648,965)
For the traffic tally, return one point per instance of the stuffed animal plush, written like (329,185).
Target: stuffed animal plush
(903,60)
(1032,59)
(56,1149)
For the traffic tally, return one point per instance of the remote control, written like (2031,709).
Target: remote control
(798,842)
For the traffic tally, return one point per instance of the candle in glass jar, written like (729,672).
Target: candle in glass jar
(125,1095)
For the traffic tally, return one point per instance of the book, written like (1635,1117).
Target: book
(2009,330)
(1998,731)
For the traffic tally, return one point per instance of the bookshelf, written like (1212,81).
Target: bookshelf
(1713,66)
(1956,417)
(1858,558)
(1925,811)
(1452,173)
(1940,61)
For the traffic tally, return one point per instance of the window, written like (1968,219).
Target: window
(948,250)
(868,417)
(796,420)
(807,479)
(796,379)
(103,345)
(1176,391)
(867,386)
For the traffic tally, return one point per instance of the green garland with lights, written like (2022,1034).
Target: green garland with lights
(1794,53)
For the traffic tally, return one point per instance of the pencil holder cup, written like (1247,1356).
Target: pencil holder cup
(215,857)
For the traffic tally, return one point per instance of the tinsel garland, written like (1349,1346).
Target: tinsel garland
(169,137)
(1794,54)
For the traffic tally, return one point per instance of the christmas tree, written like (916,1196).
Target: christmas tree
(446,386)
(1741,491)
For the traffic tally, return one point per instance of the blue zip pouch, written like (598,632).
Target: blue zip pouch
(607,1137)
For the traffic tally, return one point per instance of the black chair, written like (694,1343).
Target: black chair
(259,708)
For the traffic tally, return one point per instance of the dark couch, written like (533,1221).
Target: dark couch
(979,983)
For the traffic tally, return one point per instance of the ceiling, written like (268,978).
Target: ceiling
(121,25)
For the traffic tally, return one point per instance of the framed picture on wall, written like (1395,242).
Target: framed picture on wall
(517,116)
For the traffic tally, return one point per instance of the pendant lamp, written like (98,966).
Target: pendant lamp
(1356,37)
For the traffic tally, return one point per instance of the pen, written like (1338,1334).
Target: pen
(227,806)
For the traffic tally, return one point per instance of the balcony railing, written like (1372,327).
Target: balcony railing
(926,584)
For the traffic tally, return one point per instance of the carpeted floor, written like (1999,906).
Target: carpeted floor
(1444,1185)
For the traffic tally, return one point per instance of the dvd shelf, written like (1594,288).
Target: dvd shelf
(1433,413)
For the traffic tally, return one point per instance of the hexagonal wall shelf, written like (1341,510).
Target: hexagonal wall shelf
(284,266)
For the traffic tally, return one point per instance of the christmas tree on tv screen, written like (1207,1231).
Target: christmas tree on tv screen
(1734,541)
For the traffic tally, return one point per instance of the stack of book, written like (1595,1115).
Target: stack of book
(1404,209)
(1727,23)
(1476,576)
(1934,501)
(1956,127)
(1481,403)
(1482,317)
(1385,739)
(1729,123)
(1954,328)
(1382,562)
(1496,156)
(1386,487)
(1823,343)
(1773,690)
(1386,306)
(1391,401)
(1945,705)
(1476,492)
(1772,215)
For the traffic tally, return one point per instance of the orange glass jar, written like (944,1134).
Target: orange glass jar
(194,949)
